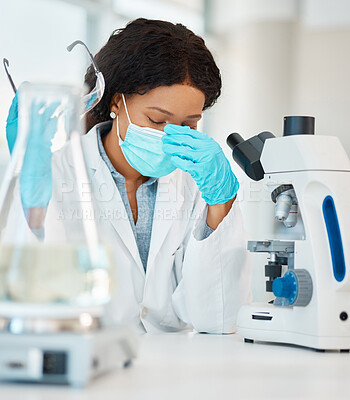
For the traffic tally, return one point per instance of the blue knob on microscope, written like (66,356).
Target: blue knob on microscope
(286,287)
(295,287)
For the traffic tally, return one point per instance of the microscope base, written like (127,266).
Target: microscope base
(269,323)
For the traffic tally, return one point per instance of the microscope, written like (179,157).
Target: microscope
(308,267)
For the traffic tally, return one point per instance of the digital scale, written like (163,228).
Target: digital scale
(71,348)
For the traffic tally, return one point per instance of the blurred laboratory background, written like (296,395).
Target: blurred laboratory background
(277,58)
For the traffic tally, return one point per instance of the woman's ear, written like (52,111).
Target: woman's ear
(115,103)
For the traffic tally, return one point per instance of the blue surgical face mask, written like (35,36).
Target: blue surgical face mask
(143,149)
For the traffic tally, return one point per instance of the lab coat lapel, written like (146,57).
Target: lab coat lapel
(167,209)
(108,198)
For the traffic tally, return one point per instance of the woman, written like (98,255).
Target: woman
(173,220)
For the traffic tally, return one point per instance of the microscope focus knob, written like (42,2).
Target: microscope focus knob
(295,286)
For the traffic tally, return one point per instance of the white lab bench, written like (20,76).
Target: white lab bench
(199,367)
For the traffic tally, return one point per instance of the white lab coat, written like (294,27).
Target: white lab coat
(188,282)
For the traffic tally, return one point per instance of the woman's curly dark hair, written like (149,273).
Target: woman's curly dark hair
(150,53)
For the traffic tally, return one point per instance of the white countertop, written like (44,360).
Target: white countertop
(197,366)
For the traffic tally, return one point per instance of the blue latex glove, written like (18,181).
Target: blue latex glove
(202,157)
(35,179)
(12,124)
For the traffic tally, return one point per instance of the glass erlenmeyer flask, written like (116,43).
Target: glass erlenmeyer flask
(47,256)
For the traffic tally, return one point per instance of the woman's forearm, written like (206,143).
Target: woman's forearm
(217,212)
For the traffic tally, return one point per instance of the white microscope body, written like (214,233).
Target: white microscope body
(309,180)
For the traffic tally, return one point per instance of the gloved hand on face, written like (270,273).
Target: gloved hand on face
(202,157)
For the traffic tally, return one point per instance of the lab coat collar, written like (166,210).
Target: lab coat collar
(113,209)
(90,147)
(110,204)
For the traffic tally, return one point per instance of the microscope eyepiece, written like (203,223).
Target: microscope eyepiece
(247,153)
(234,139)
(297,125)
